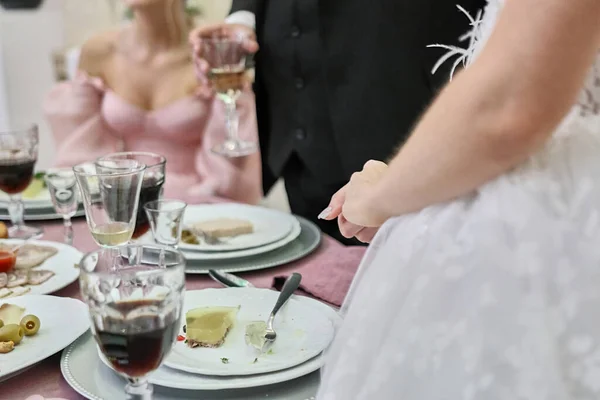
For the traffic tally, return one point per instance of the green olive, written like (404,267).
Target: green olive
(1,323)
(11,333)
(30,325)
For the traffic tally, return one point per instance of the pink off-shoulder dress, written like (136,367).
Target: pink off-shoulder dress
(89,120)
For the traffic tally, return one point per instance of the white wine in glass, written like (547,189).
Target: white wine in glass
(227,60)
(111,196)
(228,81)
(112,233)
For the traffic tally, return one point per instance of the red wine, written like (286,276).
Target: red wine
(15,175)
(136,345)
(151,188)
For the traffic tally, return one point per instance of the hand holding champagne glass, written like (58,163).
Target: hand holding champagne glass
(226,57)
(111,195)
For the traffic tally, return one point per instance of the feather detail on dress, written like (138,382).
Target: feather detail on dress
(481,27)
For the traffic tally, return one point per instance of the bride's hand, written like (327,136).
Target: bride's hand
(360,206)
(351,205)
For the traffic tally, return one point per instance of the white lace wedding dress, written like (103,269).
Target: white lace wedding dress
(495,296)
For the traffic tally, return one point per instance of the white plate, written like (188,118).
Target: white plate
(62,320)
(87,375)
(269,225)
(62,264)
(172,378)
(228,255)
(303,332)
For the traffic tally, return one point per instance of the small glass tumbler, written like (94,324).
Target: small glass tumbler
(64,194)
(166,220)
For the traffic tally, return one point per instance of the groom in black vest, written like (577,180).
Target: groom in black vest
(339,82)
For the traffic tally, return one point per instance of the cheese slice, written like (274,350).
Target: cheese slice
(225,227)
(209,326)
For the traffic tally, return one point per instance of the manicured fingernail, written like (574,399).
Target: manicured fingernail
(325,213)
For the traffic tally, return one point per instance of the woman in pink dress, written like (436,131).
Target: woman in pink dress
(137,91)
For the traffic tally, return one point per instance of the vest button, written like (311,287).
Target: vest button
(300,134)
(295,32)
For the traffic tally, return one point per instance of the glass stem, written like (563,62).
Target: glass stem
(233,120)
(68,230)
(138,389)
(16,209)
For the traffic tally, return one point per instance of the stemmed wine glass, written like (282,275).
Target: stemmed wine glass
(227,60)
(135,297)
(152,185)
(18,155)
(64,194)
(111,194)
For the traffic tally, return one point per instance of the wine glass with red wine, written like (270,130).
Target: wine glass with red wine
(227,60)
(152,185)
(18,155)
(135,297)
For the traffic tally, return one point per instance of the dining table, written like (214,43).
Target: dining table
(45,378)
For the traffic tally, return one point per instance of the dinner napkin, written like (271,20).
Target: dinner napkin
(327,274)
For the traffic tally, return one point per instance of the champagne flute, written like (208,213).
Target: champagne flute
(227,60)
(135,298)
(18,155)
(110,196)
(152,185)
(64,194)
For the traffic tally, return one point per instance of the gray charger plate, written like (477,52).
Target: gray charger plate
(44,214)
(87,375)
(307,242)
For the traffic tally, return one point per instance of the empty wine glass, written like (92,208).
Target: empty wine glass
(166,220)
(152,185)
(135,298)
(110,196)
(18,155)
(64,194)
(227,60)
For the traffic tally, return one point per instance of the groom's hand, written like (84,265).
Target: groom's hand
(221,30)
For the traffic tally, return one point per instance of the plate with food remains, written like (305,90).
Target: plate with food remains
(33,328)
(231,227)
(36,267)
(214,338)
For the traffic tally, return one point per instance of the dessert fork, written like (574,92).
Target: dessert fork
(259,334)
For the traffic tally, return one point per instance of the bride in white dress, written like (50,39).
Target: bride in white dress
(484,283)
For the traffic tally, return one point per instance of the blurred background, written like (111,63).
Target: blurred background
(39,47)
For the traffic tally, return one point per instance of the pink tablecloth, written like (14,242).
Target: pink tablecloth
(322,274)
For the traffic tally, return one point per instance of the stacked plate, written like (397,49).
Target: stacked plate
(277,238)
(305,328)
(37,207)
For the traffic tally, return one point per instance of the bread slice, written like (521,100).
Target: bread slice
(225,227)
(3,231)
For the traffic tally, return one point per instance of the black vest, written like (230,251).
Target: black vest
(340,82)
